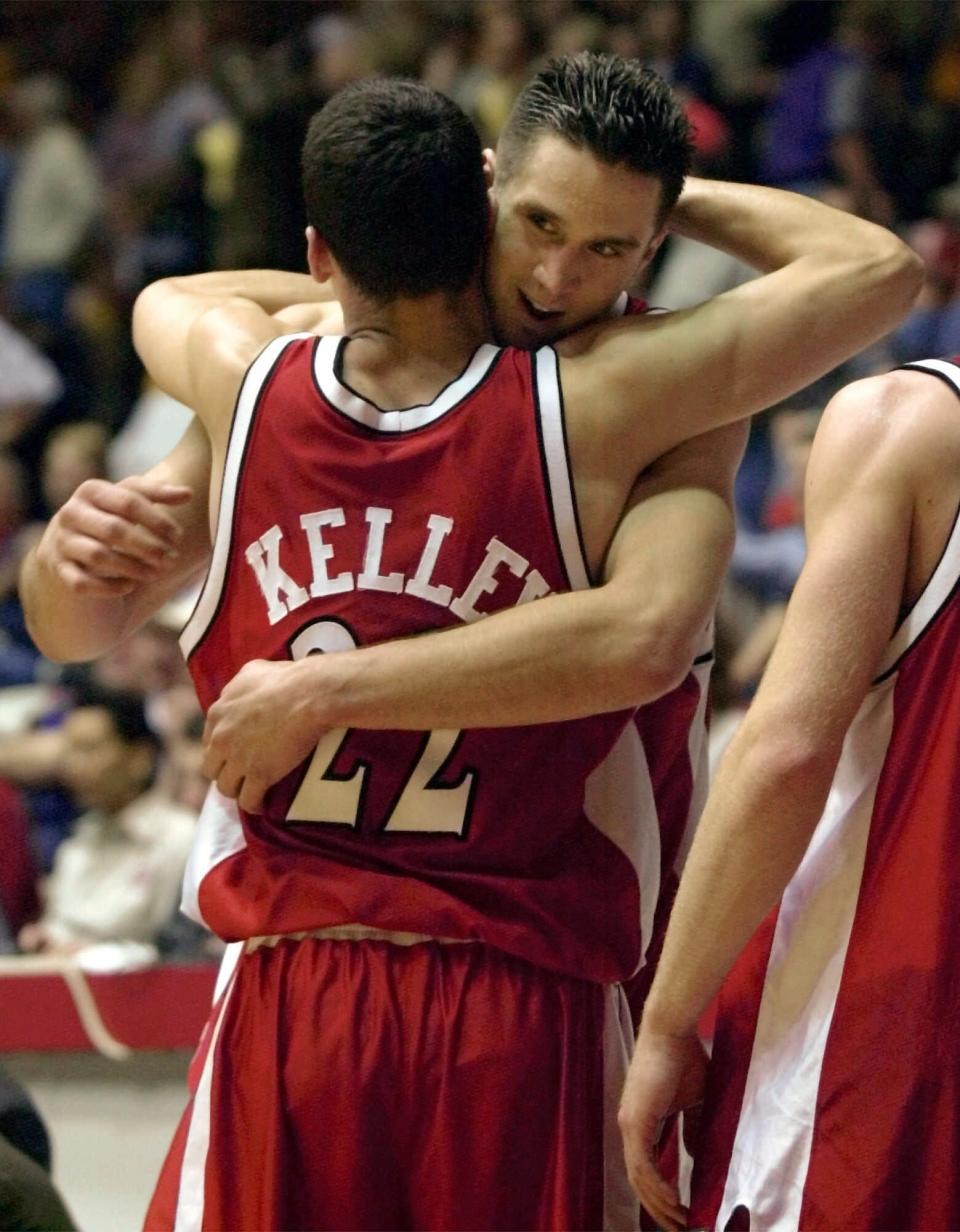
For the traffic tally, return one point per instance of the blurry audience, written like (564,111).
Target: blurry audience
(117,876)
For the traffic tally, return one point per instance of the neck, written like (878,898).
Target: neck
(404,352)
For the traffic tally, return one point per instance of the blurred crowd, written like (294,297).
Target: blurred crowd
(163,137)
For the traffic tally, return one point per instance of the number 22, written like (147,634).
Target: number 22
(423,806)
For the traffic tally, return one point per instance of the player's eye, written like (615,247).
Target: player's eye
(542,223)
(606,250)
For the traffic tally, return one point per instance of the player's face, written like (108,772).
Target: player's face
(571,234)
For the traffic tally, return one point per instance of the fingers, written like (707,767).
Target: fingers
(156,490)
(232,781)
(96,561)
(658,1196)
(663,1204)
(79,580)
(130,516)
(251,795)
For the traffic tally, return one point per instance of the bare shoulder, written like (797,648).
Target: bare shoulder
(904,421)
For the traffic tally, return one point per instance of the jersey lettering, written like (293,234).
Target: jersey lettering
(283,594)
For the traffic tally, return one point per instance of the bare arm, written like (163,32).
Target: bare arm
(834,283)
(625,642)
(196,335)
(865,475)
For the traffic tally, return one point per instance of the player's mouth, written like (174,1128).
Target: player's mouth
(539,314)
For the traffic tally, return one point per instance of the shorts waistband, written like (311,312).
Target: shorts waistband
(352,932)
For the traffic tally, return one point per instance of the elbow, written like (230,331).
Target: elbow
(786,759)
(900,275)
(658,657)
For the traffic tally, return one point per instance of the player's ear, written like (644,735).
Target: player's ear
(489,166)
(319,260)
(652,248)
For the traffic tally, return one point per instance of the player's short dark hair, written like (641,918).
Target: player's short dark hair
(616,109)
(393,182)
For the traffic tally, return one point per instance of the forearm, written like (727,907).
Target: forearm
(558,658)
(759,819)
(71,627)
(66,626)
(769,228)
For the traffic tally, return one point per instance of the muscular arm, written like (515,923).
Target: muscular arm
(864,476)
(833,284)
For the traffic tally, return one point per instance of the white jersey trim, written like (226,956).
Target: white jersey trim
(942,367)
(618,800)
(549,400)
(191,1190)
(621,1212)
(770,1158)
(218,836)
(943,580)
(247,398)
(369,415)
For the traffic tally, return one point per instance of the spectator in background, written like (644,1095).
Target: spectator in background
(73,453)
(933,327)
(53,200)
(666,48)
(117,878)
(28,1200)
(18,655)
(766,563)
(816,123)
(29,383)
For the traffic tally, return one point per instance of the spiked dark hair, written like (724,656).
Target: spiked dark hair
(616,109)
(393,182)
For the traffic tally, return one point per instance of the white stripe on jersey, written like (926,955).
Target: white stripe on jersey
(247,397)
(621,1210)
(370,416)
(771,1151)
(698,746)
(942,366)
(219,835)
(561,495)
(618,799)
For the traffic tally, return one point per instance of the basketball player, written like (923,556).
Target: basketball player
(832,1091)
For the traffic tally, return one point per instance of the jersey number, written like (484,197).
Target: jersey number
(424,805)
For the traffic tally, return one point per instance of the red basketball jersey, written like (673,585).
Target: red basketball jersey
(835,1081)
(341,525)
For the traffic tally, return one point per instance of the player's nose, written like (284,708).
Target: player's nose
(556,276)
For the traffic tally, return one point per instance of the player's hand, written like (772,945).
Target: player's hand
(108,538)
(259,729)
(666,1075)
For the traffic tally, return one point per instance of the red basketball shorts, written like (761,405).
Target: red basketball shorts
(362,1084)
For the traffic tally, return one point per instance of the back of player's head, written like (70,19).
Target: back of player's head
(393,182)
(617,110)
